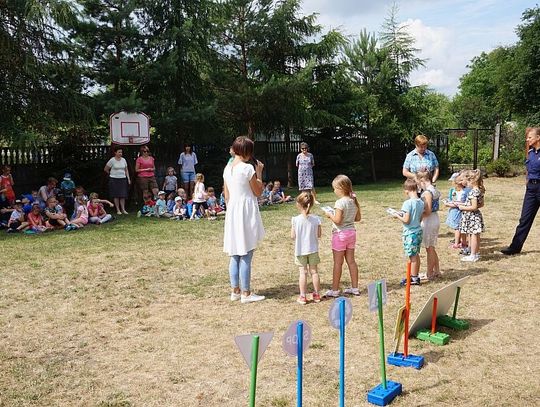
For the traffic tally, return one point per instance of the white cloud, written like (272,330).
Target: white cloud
(448,32)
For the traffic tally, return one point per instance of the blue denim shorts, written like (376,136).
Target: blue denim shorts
(188,176)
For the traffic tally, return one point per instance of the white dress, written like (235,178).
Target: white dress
(243,223)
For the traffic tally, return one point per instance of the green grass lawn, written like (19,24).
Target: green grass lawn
(137,313)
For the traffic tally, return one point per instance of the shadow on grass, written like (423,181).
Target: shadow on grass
(453,275)
(281,292)
(475,326)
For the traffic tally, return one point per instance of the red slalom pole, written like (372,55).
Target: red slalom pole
(407,310)
(434,316)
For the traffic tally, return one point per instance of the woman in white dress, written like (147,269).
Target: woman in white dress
(243,224)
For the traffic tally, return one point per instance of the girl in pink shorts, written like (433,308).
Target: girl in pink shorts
(346,212)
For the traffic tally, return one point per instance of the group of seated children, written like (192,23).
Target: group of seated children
(176,206)
(67,207)
(274,194)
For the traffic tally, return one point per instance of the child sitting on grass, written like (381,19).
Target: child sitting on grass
(54,217)
(179,210)
(161,206)
(411,216)
(96,210)
(81,216)
(148,205)
(17,221)
(35,220)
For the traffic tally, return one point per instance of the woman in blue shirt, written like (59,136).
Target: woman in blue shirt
(421,159)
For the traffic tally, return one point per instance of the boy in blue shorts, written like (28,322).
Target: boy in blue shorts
(411,216)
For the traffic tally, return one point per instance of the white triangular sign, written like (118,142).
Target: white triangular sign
(244,345)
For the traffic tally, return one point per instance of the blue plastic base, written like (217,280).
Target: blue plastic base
(383,397)
(399,359)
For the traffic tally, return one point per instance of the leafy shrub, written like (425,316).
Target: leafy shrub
(501,167)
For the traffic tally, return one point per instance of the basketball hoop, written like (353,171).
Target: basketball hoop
(129,128)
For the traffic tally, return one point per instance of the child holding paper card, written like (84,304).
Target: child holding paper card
(411,216)
(346,212)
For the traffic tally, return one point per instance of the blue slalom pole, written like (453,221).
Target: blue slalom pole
(300,356)
(342,353)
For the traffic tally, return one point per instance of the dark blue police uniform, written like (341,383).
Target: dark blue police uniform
(531,202)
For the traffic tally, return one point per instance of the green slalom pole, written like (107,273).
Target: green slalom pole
(254,361)
(456,303)
(381,335)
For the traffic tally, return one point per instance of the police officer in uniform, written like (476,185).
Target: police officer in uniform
(531,201)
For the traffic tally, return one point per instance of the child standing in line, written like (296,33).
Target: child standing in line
(96,210)
(456,195)
(410,216)
(306,232)
(199,197)
(6,184)
(472,222)
(430,224)
(346,212)
(170,185)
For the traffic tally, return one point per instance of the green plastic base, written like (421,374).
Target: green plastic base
(449,322)
(438,338)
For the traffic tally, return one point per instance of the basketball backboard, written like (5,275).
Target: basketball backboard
(129,128)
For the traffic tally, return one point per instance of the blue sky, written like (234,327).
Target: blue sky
(449,32)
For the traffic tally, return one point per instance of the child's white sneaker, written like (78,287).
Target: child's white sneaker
(251,298)
(235,296)
(351,291)
(471,258)
(332,294)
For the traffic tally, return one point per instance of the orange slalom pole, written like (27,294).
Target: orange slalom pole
(434,316)
(407,310)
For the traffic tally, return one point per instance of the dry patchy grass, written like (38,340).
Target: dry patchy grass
(136,313)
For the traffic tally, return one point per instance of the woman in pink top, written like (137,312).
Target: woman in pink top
(145,170)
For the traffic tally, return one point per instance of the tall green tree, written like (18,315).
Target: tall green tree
(175,71)
(527,81)
(41,90)
(396,39)
(371,69)
(110,41)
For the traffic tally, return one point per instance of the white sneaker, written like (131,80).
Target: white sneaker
(471,258)
(251,298)
(235,296)
(351,291)
(332,294)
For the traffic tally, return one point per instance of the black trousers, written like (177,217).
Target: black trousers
(531,203)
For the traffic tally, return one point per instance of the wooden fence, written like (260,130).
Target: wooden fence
(32,166)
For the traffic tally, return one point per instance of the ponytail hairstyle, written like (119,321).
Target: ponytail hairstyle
(344,183)
(305,200)
(475,176)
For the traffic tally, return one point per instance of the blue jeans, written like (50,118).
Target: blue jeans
(240,269)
